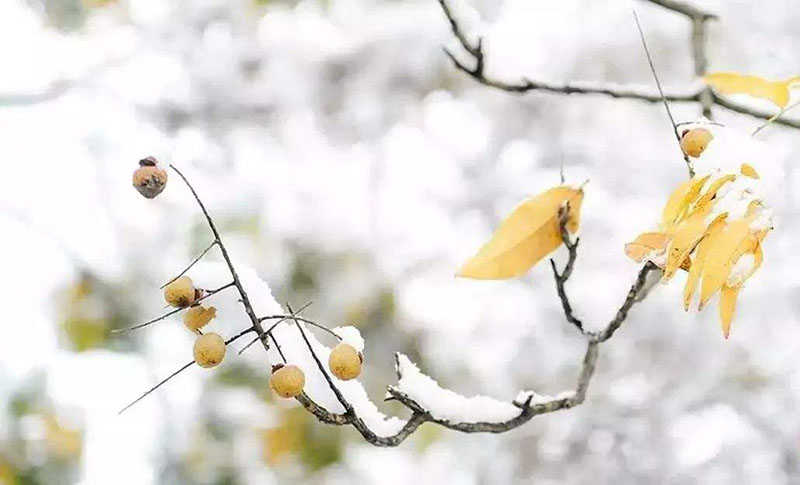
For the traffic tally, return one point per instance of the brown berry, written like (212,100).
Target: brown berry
(695,141)
(149,179)
(287,380)
(345,362)
(198,317)
(180,293)
(209,350)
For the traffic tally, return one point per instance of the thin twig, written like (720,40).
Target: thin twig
(775,117)
(684,8)
(304,320)
(269,332)
(170,313)
(206,250)
(181,369)
(339,396)
(248,307)
(661,91)
(561,278)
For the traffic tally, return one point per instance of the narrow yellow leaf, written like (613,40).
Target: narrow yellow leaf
(646,243)
(708,241)
(526,236)
(686,238)
(734,83)
(712,190)
(748,171)
(680,200)
(721,257)
(727,307)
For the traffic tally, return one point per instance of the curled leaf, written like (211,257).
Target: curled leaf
(527,235)
(645,244)
(680,200)
(711,192)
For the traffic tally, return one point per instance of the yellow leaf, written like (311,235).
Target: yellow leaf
(748,171)
(708,241)
(711,193)
(526,236)
(753,206)
(686,238)
(680,200)
(722,256)
(727,307)
(646,243)
(733,83)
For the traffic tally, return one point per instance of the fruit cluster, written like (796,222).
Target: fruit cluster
(286,380)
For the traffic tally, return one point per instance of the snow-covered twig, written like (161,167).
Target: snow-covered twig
(476,69)
(426,400)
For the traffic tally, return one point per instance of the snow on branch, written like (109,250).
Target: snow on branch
(475,67)
(288,340)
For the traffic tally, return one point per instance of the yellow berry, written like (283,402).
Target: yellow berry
(198,317)
(287,380)
(695,141)
(180,293)
(209,350)
(149,179)
(345,362)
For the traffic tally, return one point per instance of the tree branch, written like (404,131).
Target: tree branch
(476,69)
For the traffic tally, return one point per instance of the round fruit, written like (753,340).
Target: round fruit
(180,293)
(209,350)
(695,141)
(287,380)
(345,362)
(149,179)
(198,317)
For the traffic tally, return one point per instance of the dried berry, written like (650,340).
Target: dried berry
(209,350)
(345,362)
(287,380)
(695,141)
(180,293)
(198,317)
(149,179)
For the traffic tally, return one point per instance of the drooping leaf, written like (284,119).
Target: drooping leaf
(721,257)
(645,244)
(707,242)
(727,307)
(687,235)
(733,83)
(526,236)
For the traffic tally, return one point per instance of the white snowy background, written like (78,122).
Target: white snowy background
(349,164)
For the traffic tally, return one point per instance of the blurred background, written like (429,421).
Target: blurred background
(349,164)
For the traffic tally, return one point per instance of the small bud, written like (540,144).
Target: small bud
(287,380)
(695,141)
(149,179)
(180,293)
(198,317)
(345,362)
(209,350)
